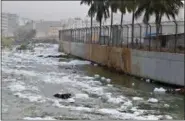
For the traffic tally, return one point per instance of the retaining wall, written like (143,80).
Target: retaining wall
(164,67)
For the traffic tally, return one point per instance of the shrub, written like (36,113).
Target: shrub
(7,42)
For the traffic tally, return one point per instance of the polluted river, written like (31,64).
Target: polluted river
(30,79)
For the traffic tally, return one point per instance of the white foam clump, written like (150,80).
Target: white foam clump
(70,100)
(137,98)
(115,100)
(94,90)
(96,76)
(127,105)
(95,64)
(166,105)
(19,72)
(159,89)
(152,100)
(88,77)
(108,80)
(148,80)
(82,96)
(55,80)
(168,117)
(109,85)
(103,78)
(38,118)
(86,109)
(17,87)
(31,97)
(108,111)
(76,62)
(116,114)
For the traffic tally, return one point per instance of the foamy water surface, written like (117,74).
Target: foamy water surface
(29,82)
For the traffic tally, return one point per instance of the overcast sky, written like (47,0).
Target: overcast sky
(47,10)
(53,10)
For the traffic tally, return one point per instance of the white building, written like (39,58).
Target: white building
(9,24)
(4,24)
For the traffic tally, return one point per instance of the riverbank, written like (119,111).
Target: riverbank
(164,67)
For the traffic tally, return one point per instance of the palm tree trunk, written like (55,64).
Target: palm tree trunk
(100,31)
(158,23)
(91,24)
(121,19)
(146,28)
(111,26)
(132,41)
(111,18)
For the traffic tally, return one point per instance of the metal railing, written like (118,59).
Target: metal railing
(169,38)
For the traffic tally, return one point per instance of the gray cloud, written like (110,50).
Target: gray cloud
(48,10)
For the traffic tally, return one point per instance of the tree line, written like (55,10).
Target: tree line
(103,9)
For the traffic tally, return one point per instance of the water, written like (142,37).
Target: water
(29,83)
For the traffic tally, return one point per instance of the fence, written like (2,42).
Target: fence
(170,36)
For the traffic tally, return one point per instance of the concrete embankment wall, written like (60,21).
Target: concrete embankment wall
(164,67)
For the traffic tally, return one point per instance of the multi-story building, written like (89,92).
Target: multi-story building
(42,28)
(4,24)
(9,23)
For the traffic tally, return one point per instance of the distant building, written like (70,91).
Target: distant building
(53,32)
(10,23)
(4,24)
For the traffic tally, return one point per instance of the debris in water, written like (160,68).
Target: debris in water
(133,84)
(62,96)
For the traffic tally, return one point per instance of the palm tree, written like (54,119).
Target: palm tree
(113,6)
(159,8)
(131,7)
(99,8)
(122,6)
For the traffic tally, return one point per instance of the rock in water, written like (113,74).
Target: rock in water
(63,96)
